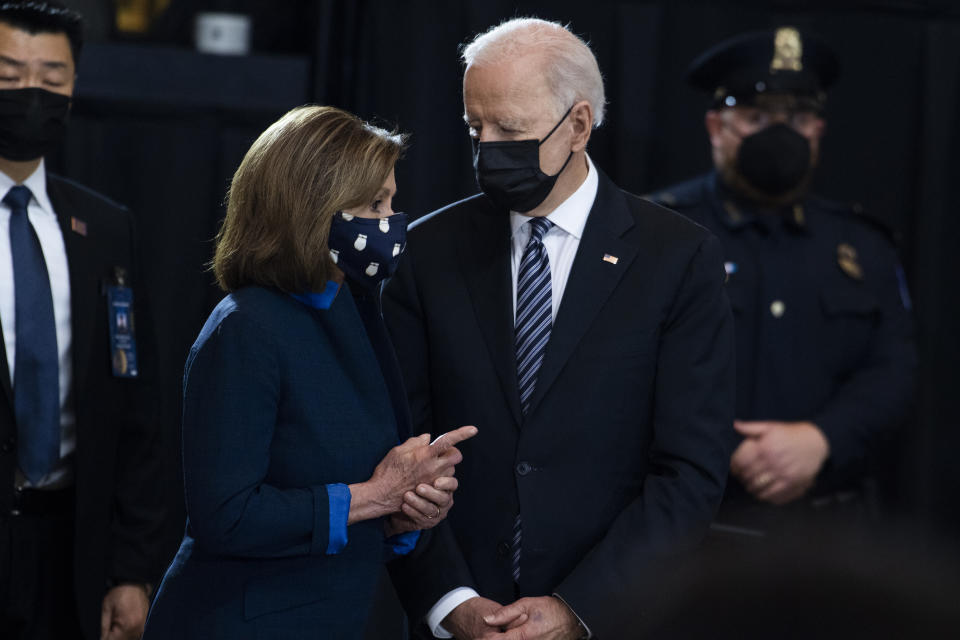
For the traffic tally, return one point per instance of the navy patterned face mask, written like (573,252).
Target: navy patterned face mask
(367,250)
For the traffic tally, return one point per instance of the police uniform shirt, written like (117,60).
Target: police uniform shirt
(822,322)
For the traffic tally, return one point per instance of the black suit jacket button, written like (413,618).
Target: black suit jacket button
(8,444)
(523,468)
(503,548)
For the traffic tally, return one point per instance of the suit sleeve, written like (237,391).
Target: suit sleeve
(693,416)
(436,565)
(875,399)
(138,510)
(231,390)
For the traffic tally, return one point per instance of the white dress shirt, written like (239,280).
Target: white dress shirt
(561,242)
(44,220)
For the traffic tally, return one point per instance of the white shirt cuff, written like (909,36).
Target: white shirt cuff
(444,606)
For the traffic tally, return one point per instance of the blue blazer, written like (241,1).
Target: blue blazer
(280,399)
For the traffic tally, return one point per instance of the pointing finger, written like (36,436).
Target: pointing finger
(453,438)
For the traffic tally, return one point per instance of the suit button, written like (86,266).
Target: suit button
(503,548)
(8,444)
(523,468)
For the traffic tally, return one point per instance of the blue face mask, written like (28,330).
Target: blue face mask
(367,250)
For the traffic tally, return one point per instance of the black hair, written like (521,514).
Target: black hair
(45,17)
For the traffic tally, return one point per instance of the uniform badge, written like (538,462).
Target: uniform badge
(787,51)
(847,259)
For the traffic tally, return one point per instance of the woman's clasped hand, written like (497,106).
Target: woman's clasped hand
(414,483)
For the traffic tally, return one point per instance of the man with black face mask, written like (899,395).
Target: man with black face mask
(825,360)
(79,502)
(586,332)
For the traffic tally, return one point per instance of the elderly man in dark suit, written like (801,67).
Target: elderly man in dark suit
(587,334)
(79,510)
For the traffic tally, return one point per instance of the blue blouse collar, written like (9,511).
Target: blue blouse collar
(321,300)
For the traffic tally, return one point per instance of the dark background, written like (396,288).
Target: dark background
(162,128)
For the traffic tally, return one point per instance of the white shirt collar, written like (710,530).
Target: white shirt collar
(571,214)
(36,182)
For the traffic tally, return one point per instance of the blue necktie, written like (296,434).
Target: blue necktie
(36,371)
(531,330)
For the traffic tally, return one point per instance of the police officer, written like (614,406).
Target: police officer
(825,359)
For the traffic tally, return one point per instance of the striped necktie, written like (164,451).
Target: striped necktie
(36,369)
(531,330)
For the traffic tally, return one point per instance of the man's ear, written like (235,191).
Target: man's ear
(582,117)
(821,128)
(714,126)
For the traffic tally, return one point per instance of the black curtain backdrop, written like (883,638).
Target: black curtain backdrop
(162,130)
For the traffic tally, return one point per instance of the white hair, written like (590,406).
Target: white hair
(570,67)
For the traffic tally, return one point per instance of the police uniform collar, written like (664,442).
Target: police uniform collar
(735,213)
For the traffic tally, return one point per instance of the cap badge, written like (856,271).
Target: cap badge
(847,259)
(787,51)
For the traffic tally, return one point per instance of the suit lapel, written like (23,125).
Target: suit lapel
(486,248)
(591,281)
(83,284)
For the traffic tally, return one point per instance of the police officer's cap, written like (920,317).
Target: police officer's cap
(779,61)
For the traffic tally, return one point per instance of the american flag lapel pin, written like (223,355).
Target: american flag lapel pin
(78,226)
(611,259)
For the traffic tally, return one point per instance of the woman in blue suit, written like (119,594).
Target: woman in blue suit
(296,489)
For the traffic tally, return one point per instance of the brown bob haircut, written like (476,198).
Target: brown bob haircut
(309,164)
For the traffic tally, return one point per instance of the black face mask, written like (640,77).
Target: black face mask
(509,172)
(32,122)
(775,160)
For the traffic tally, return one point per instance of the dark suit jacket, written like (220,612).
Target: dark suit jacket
(118,505)
(279,401)
(624,452)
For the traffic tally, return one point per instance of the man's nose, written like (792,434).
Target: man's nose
(784,117)
(486,135)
